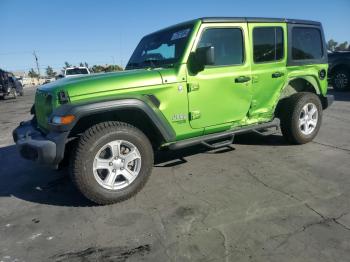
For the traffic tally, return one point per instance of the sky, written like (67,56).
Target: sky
(107,31)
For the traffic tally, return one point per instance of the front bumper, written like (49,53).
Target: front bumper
(36,146)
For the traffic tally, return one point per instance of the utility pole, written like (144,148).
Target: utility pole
(37,64)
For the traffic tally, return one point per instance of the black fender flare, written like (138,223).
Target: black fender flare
(85,109)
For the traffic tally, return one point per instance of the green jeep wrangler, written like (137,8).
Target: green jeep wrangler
(198,82)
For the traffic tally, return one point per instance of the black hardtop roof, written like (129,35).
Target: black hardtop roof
(256,20)
(241,20)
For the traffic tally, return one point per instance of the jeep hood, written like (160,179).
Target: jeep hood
(103,83)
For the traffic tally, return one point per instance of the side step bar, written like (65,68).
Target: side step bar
(227,142)
(204,140)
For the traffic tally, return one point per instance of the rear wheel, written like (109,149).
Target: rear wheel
(112,162)
(341,80)
(301,118)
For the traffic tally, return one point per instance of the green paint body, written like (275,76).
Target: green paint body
(193,105)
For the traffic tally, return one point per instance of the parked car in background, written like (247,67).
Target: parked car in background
(20,79)
(49,80)
(9,85)
(59,76)
(76,71)
(339,70)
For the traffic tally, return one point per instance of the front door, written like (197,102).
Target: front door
(221,93)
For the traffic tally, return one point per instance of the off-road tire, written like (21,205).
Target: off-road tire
(81,164)
(345,75)
(290,113)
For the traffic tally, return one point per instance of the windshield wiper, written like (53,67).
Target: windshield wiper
(144,64)
(168,65)
(151,62)
(156,63)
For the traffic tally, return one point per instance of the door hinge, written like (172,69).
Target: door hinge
(195,115)
(192,87)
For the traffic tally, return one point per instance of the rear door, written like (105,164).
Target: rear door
(221,93)
(268,44)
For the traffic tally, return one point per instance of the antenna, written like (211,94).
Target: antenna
(121,48)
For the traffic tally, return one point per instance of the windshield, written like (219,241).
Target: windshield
(77,71)
(161,49)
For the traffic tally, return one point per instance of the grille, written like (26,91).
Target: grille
(43,108)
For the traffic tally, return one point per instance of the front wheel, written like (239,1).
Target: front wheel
(301,117)
(112,162)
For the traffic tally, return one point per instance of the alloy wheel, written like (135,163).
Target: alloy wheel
(308,118)
(117,164)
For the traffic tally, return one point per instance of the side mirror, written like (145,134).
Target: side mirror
(205,56)
(200,58)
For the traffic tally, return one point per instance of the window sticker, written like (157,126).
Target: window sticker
(180,34)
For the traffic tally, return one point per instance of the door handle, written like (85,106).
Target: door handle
(277,74)
(242,79)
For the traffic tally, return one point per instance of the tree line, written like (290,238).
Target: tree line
(94,69)
(334,46)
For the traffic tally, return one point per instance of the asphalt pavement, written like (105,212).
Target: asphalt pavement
(258,200)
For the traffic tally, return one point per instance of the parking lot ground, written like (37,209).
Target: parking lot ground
(259,200)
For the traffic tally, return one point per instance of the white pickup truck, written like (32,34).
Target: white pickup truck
(76,71)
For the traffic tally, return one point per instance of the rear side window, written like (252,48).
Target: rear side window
(268,44)
(306,43)
(227,43)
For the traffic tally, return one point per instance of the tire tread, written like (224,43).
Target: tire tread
(289,117)
(76,167)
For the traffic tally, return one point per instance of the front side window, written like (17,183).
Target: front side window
(268,44)
(227,43)
(306,43)
(161,49)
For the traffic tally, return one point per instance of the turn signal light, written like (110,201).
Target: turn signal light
(63,120)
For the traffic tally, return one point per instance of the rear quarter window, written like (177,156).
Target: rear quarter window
(306,43)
